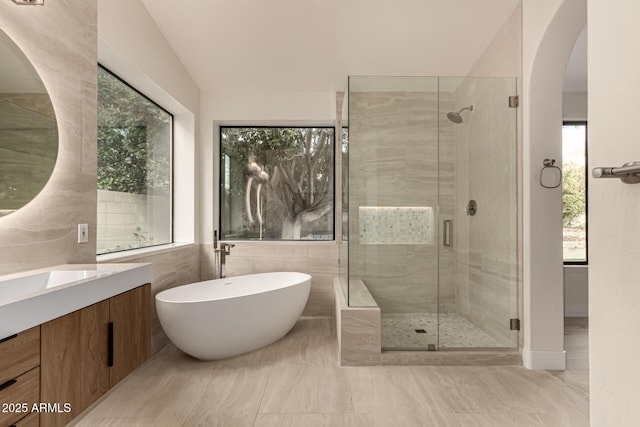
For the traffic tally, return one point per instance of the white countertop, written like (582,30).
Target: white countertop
(33,297)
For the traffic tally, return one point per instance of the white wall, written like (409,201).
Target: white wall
(576,291)
(131,45)
(574,105)
(614,247)
(550,29)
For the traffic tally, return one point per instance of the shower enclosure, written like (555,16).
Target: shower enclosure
(430,210)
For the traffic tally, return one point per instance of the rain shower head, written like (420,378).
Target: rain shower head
(456,117)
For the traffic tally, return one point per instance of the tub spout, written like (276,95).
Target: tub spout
(226,248)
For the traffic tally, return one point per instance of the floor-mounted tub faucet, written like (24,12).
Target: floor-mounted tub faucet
(221,255)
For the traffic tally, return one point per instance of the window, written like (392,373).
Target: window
(277,183)
(134,168)
(574,192)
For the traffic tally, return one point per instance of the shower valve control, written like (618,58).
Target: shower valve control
(472,208)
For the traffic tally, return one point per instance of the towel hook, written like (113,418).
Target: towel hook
(550,164)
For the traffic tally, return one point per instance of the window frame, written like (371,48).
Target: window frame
(171,157)
(586,191)
(220,159)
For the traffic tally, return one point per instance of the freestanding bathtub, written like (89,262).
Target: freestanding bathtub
(221,318)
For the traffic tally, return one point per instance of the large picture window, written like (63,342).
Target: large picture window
(574,192)
(134,168)
(277,183)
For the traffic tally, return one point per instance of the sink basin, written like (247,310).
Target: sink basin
(31,298)
(26,285)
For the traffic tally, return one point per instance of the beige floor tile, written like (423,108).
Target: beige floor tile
(171,396)
(297,382)
(391,393)
(310,343)
(307,420)
(307,389)
(460,387)
(231,398)
(500,420)
(121,422)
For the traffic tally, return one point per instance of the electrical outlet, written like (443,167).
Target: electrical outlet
(83,233)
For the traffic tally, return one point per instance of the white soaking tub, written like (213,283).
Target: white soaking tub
(221,318)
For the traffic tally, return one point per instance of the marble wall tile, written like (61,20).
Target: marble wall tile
(359,332)
(486,244)
(320,260)
(60,39)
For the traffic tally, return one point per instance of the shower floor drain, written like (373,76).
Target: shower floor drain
(421,331)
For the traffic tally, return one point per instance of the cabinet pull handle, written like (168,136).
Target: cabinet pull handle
(8,338)
(110,344)
(8,384)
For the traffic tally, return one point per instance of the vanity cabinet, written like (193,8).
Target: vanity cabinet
(130,315)
(19,377)
(74,361)
(88,351)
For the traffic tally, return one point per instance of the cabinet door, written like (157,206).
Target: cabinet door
(74,366)
(131,318)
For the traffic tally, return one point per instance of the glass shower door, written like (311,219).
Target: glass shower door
(393,205)
(478,276)
(432,209)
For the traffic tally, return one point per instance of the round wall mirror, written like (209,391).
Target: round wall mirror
(28,130)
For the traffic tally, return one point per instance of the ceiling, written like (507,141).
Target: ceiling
(313,45)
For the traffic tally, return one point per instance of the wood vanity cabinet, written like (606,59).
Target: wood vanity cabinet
(130,315)
(19,377)
(87,352)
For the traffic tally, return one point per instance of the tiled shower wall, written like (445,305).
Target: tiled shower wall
(487,277)
(393,151)
(486,254)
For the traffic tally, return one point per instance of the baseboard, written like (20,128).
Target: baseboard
(548,360)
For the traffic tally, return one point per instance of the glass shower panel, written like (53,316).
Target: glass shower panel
(393,205)
(478,270)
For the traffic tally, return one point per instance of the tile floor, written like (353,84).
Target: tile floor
(399,332)
(297,382)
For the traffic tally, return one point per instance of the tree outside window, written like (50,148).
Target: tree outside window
(277,183)
(574,192)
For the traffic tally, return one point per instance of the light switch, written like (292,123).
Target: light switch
(83,233)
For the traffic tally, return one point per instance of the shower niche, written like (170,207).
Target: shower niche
(419,149)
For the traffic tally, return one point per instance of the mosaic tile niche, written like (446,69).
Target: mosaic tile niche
(390,225)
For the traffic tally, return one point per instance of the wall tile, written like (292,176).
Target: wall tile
(60,39)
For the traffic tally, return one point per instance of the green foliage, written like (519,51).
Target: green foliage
(134,140)
(267,146)
(271,148)
(573,193)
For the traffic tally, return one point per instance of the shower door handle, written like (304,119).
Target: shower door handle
(447,233)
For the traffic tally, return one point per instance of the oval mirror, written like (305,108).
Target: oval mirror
(28,130)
